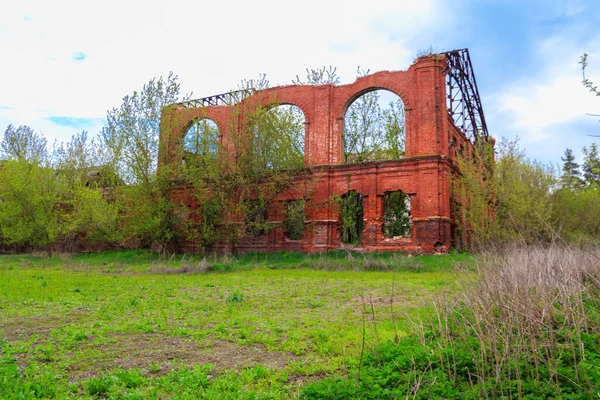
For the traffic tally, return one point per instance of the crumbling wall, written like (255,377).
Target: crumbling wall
(425,173)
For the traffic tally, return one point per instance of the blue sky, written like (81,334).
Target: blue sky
(66,62)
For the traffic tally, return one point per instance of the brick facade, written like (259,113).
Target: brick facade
(425,173)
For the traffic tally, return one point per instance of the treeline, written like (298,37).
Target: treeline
(91,191)
(53,198)
(530,202)
(107,191)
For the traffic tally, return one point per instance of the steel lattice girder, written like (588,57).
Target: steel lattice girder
(223,99)
(464,103)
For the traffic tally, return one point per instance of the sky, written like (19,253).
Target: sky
(65,63)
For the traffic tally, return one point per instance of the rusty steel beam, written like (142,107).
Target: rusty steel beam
(223,99)
(464,103)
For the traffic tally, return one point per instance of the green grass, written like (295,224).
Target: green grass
(132,324)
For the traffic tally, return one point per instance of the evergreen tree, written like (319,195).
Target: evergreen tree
(571,176)
(591,165)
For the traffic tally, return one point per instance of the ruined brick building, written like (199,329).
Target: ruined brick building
(443,118)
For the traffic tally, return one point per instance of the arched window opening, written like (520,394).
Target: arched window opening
(374,128)
(201,142)
(397,222)
(351,217)
(277,138)
(294,219)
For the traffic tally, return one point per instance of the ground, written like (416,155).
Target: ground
(134,325)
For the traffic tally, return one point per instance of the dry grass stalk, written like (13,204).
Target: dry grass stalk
(527,312)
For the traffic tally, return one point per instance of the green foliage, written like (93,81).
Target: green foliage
(23,144)
(131,135)
(204,233)
(471,197)
(591,165)
(294,219)
(29,200)
(92,217)
(202,138)
(147,214)
(522,331)
(507,199)
(255,212)
(586,82)
(63,199)
(351,217)
(319,76)
(371,133)
(524,190)
(393,126)
(524,200)
(571,176)
(130,140)
(276,140)
(107,324)
(100,387)
(58,203)
(576,205)
(265,159)
(576,213)
(235,297)
(396,215)
(435,369)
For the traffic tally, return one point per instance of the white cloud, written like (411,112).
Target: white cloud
(211,45)
(549,97)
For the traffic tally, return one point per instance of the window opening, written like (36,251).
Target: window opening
(397,221)
(277,138)
(256,217)
(374,128)
(294,219)
(201,143)
(351,217)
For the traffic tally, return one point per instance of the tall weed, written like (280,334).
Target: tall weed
(530,328)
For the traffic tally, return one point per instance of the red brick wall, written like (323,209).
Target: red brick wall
(432,141)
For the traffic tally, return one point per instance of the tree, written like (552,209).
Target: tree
(396,215)
(131,139)
(28,205)
(586,82)
(362,133)
(524,189)
(23,143)
(131,135)
(571,176)
(87,211)
(511,201)
(394,131)
(351,223)
(56,204)
(373,134)
(591,165)
(319,76)
(276,140)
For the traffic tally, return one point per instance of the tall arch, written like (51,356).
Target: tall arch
(277,136)
(374,126)
(201,142)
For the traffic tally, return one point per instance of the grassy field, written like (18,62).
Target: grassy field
(132,325)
